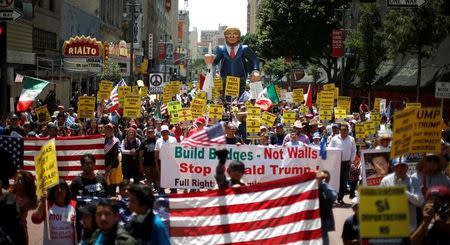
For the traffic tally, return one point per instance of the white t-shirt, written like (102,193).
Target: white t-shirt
(62,224)
(160,142)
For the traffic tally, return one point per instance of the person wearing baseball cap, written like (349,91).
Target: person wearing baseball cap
(400,178)
(278,136)
(200,123)
(350,231)
(435,228)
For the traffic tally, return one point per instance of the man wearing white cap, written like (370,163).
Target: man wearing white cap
(165,138)
(400,177)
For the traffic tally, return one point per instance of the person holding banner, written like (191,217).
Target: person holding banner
(59,228)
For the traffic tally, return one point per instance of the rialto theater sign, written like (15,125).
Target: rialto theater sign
(82,54)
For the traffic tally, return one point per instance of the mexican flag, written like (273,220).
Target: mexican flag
(267,97)
(32,87)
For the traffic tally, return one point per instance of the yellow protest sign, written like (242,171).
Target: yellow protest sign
(132,106)
(268,119)
(345,102)
(143,91)
(426,137)
(297,95)
(105,85)
(383,212)
(252,128)
(289,117)
(304,109)
(325,114)
(359,131)
(198,107)
(218,84)
(86,106)
(376,104)
(215,111)
(413,105)
(173,107)
(340,113)
(42,111)
(402,131)
(174,118)
(253,112)
(201,95)
(46,166)
(103,95)
(329,87)
(319,95)
(122,91)
(184,114)
(232,86)
(327,99)
(375,117)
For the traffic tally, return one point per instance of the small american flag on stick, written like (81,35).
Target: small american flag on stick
(214,135)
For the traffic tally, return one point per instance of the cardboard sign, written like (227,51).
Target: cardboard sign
(215,112)
(103,95)
(173,107)
(86,106)
(218,84)
(340,113)
(122,91)
(252,128)
(132,106)
(268,119)
(304,110)
(359,132)
(198,107)
(46,165)
(426,135)
(289,117)
(376,104)
(43,110)
(105,85)
(232,86)
(253,112)
(185,114)
(297,95)
(329,87)
(325,114)
(344,102)
(402,131)
(327,99)
(201,95)
(174,118)
(383,212)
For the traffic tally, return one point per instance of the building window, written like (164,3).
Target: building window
(43,39)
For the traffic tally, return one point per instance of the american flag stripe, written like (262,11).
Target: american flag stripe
(277,212)
(68,153)
(213,135)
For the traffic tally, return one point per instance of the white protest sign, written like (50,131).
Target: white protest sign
(194,168)
(256,88)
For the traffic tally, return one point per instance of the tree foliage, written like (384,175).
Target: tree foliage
(368,43)
(276,67)
(298,29)
(111,73)
(416,31)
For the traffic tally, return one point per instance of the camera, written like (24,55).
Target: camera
(441,209)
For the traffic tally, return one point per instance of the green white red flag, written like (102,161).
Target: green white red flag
(32,87)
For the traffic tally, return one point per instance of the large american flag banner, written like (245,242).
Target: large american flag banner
(13,146)
(68,153)
(284,211)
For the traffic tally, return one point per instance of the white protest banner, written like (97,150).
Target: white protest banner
(256,88)
(194,168)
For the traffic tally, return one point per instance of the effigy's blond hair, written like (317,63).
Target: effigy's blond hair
(230,29)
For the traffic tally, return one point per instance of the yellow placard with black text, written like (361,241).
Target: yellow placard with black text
(383,212)
(215,112)
(122,91)
(232,86)
(43,110)
(268,119)
(86,106)
(132,106)
(253,112)
(289,117)
(46,167)
(198,107)
(344,102)
(297,95)
(184,114)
